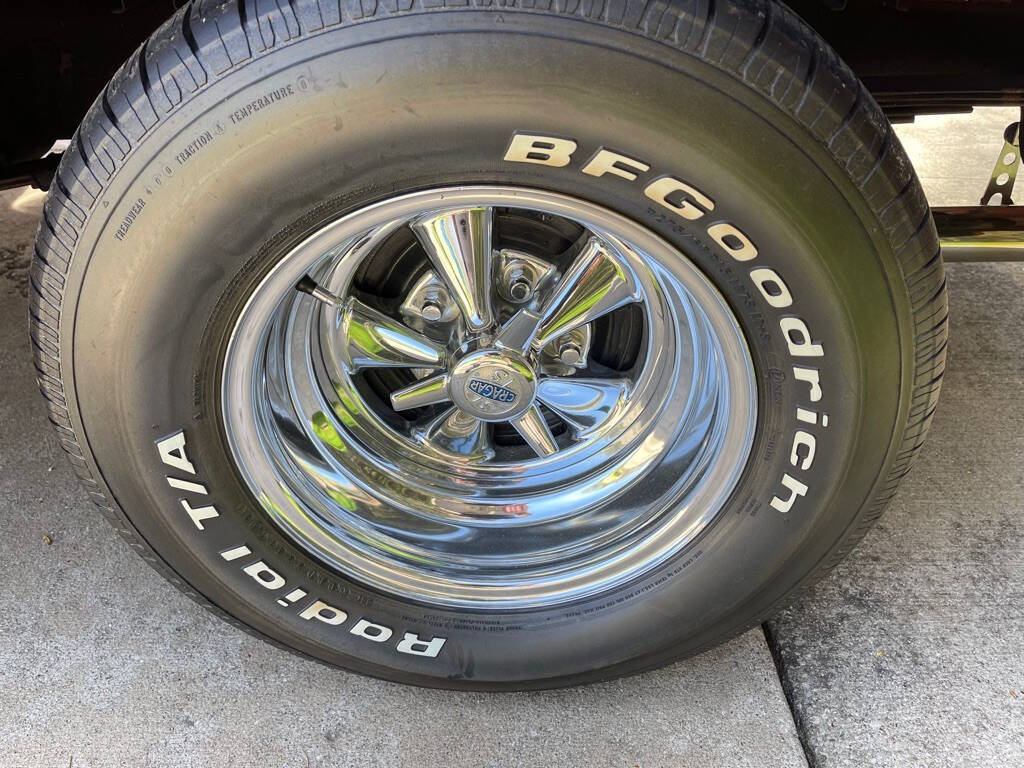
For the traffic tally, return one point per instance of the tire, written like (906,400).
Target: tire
(235,134)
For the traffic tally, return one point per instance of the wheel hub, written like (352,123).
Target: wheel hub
(492,385)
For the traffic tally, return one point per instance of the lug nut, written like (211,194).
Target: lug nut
(520,289)
(431,311)
(517,282)
(569,353)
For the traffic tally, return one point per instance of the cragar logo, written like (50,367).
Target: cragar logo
(492,391)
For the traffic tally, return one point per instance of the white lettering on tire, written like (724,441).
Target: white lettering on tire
(321,611)
(679,197)
(413,644)
(795,488)
(732,241)
(543,150)
(264,575)
(690,203)
(376,632)
(606,161)
(173,453)
(772,289)
(198,514)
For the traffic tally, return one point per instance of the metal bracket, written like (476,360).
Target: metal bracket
(1004,174)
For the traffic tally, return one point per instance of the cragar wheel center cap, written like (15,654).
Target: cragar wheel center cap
(493,385)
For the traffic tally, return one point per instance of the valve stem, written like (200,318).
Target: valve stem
(308,285)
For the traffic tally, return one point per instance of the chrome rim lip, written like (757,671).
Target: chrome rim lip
(662,528)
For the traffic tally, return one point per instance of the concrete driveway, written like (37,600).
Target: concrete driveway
(910,654)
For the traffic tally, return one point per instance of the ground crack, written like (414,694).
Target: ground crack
(775,648)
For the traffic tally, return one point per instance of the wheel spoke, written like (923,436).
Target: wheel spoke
(423,392)
(583,403)
(371,339)
(594,285)
(459,245)
(533,428)
(519,332)
(458,432)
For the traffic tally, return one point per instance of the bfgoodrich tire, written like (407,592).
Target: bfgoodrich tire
(718,159)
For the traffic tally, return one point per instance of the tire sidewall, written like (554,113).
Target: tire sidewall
(387,108)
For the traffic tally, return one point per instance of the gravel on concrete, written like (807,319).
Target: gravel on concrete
(102,663)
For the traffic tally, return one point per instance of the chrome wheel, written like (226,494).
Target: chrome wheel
(440,398)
